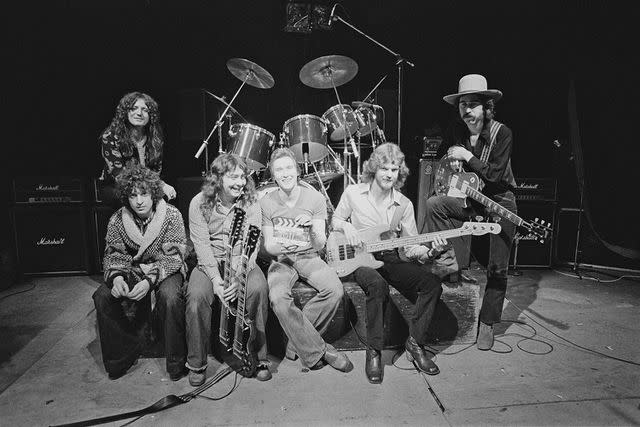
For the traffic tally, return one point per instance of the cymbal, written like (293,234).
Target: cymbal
(225,103)
(255,75)
(328,71)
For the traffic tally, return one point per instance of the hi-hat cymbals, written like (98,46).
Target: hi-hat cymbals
(328,71)
(254,74)
(231,110)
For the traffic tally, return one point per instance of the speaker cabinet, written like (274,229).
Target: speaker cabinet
(51,239)
(526,251)
(425,189)
(99,220)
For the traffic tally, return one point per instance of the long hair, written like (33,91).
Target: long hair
(212,186)
(121,128)
(386,153)
(137,177)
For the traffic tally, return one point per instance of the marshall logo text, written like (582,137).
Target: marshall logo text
(50,241)
(42,187)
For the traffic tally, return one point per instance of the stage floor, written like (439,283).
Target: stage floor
(51,370)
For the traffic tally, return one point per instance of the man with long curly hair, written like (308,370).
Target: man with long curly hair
(378,201)
(144,253)
(211,213)
(134,136)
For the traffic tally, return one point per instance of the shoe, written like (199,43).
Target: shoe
(176,376)
(415,353)
(373,368)
(337,360)
(319,365)
(485,337)
(290,353)
(467,279)
(116,375)
(197,378)
(263,373)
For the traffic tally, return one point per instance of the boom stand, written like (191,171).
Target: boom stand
(400,61)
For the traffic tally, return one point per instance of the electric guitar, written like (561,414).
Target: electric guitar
(239,355)
(470,185)
(226,331)
(345,258)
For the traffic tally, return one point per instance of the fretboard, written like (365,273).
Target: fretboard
(397,242)
(493,206)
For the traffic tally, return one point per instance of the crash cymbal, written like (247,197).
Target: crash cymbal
(256,75)
(234,113)
(328,71)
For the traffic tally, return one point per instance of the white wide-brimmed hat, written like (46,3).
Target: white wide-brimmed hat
(473,83)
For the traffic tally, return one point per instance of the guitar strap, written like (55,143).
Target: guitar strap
(397,215)
(493,133)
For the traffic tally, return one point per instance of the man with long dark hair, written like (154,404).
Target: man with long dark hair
(144,253)
(484,146)
(378,201)
(134,136)
(229,184)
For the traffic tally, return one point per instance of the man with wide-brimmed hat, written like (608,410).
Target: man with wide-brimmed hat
(483,145)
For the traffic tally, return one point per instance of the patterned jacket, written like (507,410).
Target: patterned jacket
(156,255)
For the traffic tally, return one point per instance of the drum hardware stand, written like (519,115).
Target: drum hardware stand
(516,242)
(400,62)
(337,162)
(218,125)
(248,72)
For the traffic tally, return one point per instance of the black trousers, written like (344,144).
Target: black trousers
(444,213)
(122,337)
(415,281)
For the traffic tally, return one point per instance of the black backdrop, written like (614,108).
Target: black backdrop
(68,64)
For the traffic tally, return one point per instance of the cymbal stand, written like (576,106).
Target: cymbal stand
(346,153)
(218,125)
(342,167)
(400,62)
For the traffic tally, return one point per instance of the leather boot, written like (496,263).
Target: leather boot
(373,367)
(415,353)
(337,360)
(485,337)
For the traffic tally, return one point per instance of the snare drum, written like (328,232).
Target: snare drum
(252,143)
(306,129)
(366,120)
(334,116)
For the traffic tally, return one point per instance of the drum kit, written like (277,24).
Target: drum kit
(313,139)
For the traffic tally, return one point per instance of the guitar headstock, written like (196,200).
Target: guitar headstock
(480,228)
(236,225)
(253,237)
(537,229)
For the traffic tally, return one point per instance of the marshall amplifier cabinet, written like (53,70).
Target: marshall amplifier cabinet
(536,190)
(100,216)
(50,239)
(527,251)
(37,190)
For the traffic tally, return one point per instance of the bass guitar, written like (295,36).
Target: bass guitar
(469,184)
(345,258)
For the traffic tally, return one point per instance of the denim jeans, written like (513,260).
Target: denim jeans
(444,212)
(122,340)
(200,298)
(305,327)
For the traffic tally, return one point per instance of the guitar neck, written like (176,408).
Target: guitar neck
(493,206)
(384,245)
